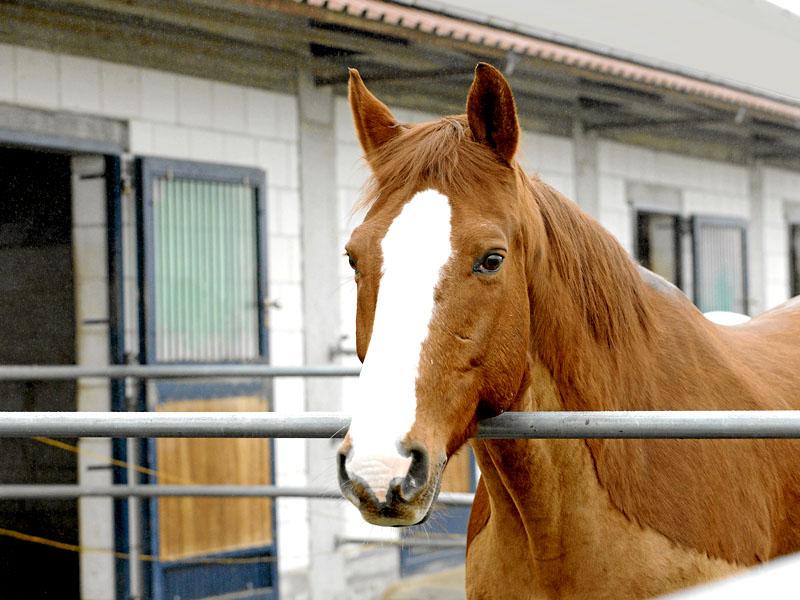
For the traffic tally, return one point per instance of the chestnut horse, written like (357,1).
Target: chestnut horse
(481,290)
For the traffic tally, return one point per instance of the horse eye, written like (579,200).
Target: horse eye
(352,262)
(490,263)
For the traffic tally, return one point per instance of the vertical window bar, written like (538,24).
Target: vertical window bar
(198,279)
(794,240)
(208,274)
(221,258)
(227,272)
(244,337)
(251,324)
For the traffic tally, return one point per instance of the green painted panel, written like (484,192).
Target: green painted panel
(721,283)
(205,270)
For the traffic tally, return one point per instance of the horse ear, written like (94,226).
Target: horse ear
(491,112)
(375,124)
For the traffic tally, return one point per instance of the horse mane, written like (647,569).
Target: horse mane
(439,154)
(598,275)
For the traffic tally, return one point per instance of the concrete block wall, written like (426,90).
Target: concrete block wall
(90,259)
(550,157)
(707,187)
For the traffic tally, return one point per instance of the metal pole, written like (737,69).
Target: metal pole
(135,573)
(200,491)
(183,424)
(665,424)
(533,425)
(47,373)
(409,542)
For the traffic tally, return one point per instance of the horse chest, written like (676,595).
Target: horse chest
(569,542)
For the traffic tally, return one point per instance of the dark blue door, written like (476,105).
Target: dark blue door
(203,285)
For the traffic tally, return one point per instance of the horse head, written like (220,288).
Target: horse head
(442,262)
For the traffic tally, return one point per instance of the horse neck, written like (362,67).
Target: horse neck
(538,487)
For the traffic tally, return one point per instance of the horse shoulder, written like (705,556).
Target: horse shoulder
(719,497)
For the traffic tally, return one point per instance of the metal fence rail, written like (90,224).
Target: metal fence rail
(459,542)
(511,425)
(61,372)
(8,492)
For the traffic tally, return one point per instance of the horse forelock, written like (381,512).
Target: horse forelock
(441,155)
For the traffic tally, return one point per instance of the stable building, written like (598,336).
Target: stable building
(176,186)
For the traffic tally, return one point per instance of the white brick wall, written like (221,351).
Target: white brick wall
(37,82)
(77,75)
(551,158)
(708,187)
(8,82)
(159,96)
(96,524)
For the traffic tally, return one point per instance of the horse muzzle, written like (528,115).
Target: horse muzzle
(391,490)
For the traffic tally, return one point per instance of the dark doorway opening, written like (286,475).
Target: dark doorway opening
(37,313)
(658,245)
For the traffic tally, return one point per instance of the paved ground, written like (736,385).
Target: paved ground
(445,585)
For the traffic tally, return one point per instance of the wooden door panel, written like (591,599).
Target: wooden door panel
(196,526)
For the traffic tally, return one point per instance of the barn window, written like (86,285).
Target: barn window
(658,244)
(720,258)
(203,256)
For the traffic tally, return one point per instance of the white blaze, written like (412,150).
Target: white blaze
(415,248)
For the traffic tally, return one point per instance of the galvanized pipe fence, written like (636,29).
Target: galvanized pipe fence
(623,424)
(531,425)
(53,491)
(729,424)
(199,371)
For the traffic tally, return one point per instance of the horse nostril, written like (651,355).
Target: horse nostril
(417,475)
(342,468)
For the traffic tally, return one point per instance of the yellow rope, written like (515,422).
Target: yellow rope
(35,539)
(121,555)
(116,462)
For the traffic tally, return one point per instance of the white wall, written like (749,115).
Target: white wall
(707,188)
(550,157)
